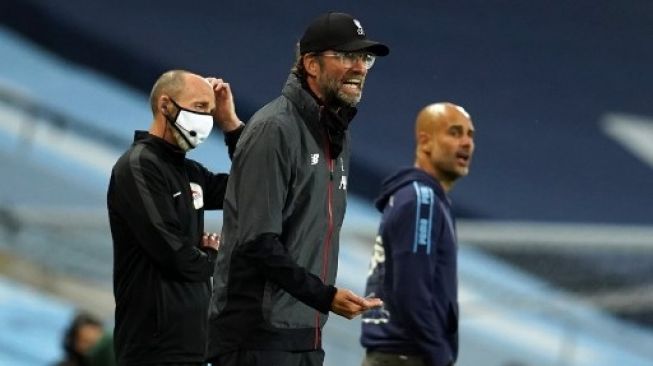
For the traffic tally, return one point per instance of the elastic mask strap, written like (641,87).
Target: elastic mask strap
(178,128)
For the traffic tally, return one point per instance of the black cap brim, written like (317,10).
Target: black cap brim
(376,48)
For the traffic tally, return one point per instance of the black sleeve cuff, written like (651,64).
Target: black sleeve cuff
(325,305)
(231,139)
(270,257)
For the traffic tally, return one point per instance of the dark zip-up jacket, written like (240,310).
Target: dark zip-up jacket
(156,201)
(285,203)
(413,270)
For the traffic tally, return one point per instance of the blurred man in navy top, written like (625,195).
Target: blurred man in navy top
(414,265)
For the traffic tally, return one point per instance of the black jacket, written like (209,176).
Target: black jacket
(156,201)
(284,206)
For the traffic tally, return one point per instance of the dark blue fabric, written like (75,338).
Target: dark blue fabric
(413,271)
(536,78)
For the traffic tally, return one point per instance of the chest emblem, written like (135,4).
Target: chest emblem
(343,183)
(315,158)
(197,194)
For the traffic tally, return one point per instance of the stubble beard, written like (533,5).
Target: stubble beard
(335,97)
(452,173)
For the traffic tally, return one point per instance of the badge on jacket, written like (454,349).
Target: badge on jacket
(197,194)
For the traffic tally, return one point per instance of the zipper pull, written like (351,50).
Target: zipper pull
(331,170)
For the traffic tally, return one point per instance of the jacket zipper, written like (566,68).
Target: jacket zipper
(327,238)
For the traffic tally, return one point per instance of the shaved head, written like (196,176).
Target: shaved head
(434,114)
(170,83)
(177,90)
(175,83)
(445,142)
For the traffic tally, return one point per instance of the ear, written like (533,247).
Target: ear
(163,103)
(424,142)
(311,65)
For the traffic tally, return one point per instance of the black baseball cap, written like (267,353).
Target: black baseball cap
(338,32)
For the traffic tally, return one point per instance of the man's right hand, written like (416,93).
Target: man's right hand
(349,305)
(225,110)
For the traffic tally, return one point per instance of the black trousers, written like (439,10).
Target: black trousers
(373,358)
(269,358)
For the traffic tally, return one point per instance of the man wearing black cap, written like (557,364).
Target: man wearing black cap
(275,274)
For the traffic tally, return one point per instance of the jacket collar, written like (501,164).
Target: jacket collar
(319,117)
(162,148)
(405,176)
(307,104)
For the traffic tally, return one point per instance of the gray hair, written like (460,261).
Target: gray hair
(170,82)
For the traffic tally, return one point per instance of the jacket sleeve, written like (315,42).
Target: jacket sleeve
(262,176)
(269,255)
(412,238)
(231,139)
(149,209)
(216,184)
(215,187)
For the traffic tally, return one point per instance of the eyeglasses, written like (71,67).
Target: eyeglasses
(348,59)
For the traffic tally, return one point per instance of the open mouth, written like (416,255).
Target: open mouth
(463,157)
(352,84)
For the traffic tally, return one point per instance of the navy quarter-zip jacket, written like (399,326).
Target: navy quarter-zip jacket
(414,271)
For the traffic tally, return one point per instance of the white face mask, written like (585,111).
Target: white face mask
(191,128)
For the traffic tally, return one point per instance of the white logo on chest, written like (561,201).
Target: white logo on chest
(343,183)
(315,158)
(198,195)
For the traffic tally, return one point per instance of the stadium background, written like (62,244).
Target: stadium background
(555,218)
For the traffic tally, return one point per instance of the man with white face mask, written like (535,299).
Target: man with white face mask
(163,259)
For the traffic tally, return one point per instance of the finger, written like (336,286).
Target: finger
(213,80)
(353,307)
(373,303)
(355,313)
(360,301)
(223,86)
